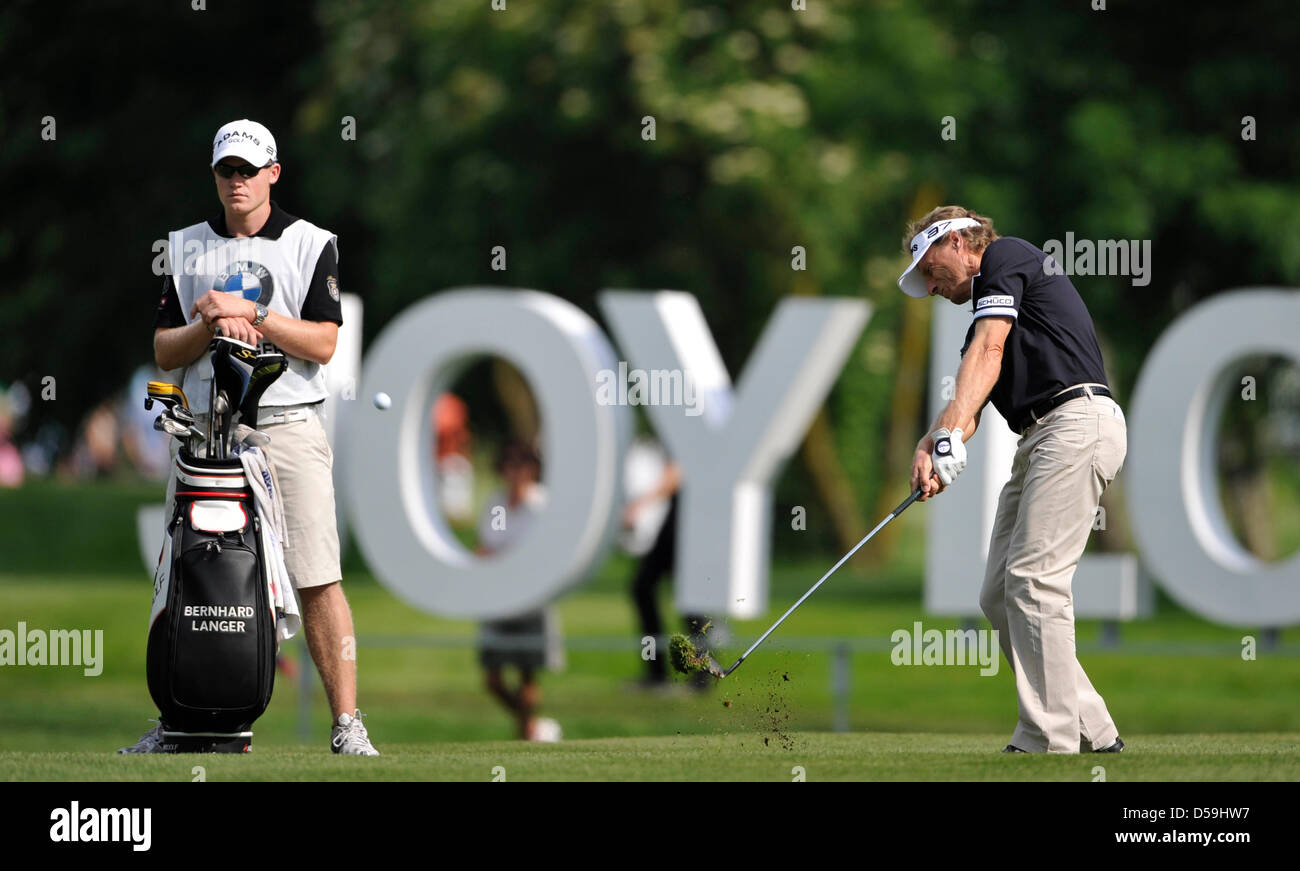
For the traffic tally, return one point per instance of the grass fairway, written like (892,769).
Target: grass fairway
(1190,704)
(738,756)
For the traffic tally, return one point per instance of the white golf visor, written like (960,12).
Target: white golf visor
(914,284)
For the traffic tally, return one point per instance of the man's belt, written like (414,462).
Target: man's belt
(286,413)
(1039,411)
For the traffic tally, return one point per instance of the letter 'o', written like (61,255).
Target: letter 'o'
(389,453)
(1171,469)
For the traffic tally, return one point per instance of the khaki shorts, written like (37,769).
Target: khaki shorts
(302,467)
(530,641)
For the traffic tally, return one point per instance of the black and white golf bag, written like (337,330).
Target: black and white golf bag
(212,641)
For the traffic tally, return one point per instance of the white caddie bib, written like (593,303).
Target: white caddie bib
(274,272)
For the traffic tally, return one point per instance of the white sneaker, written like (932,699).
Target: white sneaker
(546,730)
(349,737)
(150,742)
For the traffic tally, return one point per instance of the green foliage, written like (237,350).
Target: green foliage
(774,128)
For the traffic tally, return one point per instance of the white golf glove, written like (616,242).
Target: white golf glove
(949,454)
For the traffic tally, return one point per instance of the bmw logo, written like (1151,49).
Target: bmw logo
(250,280)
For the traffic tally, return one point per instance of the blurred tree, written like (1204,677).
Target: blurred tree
(773,128)
(107,112)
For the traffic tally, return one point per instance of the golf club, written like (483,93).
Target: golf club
(172,426)
(209,447)
(171,396)
(220,417)
(916,494)
(183,414)
(243,434)
(217,348)
(176,419)
(233,366)
(267,367)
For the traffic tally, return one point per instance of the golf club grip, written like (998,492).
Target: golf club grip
(916,494)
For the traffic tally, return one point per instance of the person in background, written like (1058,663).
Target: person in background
(11,461)
(145,447)
(657,563)
(95,454)
(451,452)
(527,642)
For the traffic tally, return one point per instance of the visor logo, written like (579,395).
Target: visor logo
(937,229)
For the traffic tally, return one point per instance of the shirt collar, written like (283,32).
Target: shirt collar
(275,224)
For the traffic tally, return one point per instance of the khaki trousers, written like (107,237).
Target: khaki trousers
(1063,463)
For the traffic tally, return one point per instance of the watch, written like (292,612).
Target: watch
(261,313)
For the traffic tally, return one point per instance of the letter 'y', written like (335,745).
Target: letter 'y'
(730,452)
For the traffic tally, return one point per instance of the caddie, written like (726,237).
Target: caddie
(261,275)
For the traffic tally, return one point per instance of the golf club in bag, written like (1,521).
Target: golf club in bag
(212,627)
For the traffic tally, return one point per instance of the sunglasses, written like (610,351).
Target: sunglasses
(247,170)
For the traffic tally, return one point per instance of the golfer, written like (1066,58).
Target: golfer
(1031,351)
(258,274)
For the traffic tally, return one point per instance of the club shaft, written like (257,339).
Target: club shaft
(212,413)
(212,397)
(897,511)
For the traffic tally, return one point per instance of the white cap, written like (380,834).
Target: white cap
(246,139)
(914,285)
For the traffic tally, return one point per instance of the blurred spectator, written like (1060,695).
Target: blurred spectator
(451,451)
(657,563)
(643,472)
(39,453)
(95,453)
(11,462)
(145,447)
(528,642)
(20,402)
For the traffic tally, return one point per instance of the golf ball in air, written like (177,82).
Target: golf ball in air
(383,400)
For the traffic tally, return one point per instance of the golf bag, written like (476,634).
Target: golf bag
(212,643)
(221,583)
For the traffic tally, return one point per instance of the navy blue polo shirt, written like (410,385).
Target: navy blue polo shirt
(1052,344)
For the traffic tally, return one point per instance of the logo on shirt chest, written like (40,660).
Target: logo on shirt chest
(250,280)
